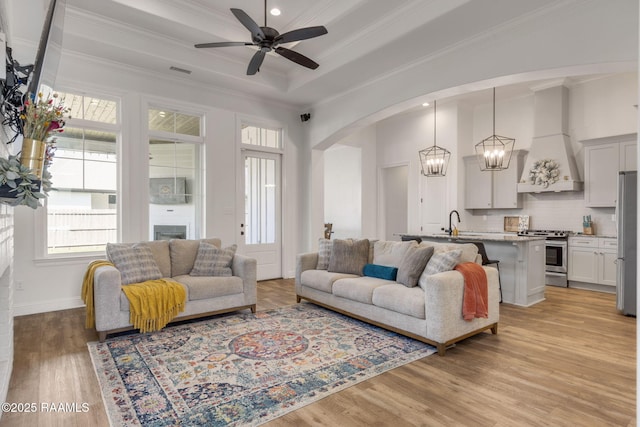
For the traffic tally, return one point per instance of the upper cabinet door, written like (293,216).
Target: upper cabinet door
(601,175)
(478,185)
(628,156)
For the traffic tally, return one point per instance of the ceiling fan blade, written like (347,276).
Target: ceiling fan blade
(301,34)
(250,24)
(296,57)
(223,44)
(256,62)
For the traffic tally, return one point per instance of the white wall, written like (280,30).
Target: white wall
(52,285)
(399,139)
(343,190)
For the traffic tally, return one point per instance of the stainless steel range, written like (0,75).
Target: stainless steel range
(556,243)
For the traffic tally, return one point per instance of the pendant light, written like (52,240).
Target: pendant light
(434,160)
(494,152)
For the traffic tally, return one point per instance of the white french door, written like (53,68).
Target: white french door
(260,225)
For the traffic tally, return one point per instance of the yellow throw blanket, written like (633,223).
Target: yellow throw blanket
(87,291)
(153,303)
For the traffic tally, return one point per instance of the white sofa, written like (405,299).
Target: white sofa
(206,295)
(430,312)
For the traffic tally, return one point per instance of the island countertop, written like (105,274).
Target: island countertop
(480,236)
(522,262)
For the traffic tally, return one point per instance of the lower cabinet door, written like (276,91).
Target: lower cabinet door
(583,265)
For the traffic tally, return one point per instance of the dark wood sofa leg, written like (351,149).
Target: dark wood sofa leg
(494,329)
(102,335)
(253,308)
(298,298)
(441,349)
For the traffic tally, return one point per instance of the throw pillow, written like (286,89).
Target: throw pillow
(134,262)
(380,271)
(443,261)
(349,256)
(412,265)
(390,253)
(212,261)
(324,253)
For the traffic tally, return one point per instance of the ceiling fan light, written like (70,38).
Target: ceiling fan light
(275,11)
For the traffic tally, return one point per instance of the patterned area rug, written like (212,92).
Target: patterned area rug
(242,369)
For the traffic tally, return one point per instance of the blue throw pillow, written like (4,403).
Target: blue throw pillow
(380,271)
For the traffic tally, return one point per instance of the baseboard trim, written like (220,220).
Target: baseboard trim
(46,306)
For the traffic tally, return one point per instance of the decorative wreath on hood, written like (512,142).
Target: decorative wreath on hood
(544,172)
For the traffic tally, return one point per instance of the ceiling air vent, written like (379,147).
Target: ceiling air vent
(180,70)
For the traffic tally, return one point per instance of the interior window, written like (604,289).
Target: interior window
(176,198)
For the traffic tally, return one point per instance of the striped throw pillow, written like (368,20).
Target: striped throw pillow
(135,262)
(212,261)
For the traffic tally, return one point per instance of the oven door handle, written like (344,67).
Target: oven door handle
(552,273)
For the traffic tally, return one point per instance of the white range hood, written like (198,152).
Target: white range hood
(551,141)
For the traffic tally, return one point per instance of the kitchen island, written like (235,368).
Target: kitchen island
(522,262)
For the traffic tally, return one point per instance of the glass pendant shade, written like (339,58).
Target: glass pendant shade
(434,160)
(494,152)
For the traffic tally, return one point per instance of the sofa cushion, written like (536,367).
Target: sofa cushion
(469,250)
(160,251)
(135,262)
(443,261)
(380,271)
(213,261)
(321,280)
(358,288)
(183,254)
(324,253)
(398,298)
(412,265)
(349,256)
(205,287)
(390,253)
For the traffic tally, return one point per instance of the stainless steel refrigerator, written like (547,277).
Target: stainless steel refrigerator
(627,215)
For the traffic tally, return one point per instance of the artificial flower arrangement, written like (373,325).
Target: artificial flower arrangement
(544,172)
(41,119)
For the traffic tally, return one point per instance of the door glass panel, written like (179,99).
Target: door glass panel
(260,200)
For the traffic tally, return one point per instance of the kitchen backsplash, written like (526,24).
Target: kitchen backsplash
(547,211)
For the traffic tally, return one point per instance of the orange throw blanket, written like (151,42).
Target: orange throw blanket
(475,299)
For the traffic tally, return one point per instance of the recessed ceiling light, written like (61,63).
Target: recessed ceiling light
(162,114)
(275,11)
(425,104)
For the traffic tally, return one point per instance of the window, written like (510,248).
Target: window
(81,208)
(175,175)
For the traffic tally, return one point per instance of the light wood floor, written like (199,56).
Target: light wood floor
(568,361)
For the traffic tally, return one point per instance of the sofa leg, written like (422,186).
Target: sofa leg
(441,349)
(298,299)
(102,335)
(494,329)
(253,308)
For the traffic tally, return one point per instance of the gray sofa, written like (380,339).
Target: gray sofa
(430,312)
(206,295)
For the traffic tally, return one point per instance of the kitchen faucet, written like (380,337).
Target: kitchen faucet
(450,230)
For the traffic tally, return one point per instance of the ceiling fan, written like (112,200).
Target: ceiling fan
(268,39)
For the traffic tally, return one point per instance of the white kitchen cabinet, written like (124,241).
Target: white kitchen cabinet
(493,189)
(592,260)
(603,159)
